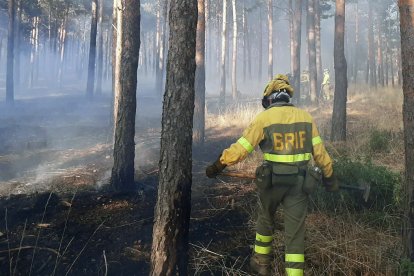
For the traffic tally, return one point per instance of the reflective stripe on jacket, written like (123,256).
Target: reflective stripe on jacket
(285,134)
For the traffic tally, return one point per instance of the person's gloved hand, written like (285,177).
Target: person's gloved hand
(214,169)
(331,183)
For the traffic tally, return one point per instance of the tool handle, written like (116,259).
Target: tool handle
(238,175)
(349,187)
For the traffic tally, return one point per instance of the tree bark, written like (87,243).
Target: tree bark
(100,63)
(312,50)
(295,54)
(62,43)
(380,57)
(341,81)
(371,47)
(356,44)
(318,47)
(223,56)
(200,78)
(407,53)
(260,46)
(126,65)
(10,54)
(270,44)
(92,50)
(234,55)
(17,44)
(172,212)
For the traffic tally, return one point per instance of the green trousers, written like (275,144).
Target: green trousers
(295,203)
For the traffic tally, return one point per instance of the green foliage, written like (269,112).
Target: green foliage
(406,268)
(379,140)
(385,194)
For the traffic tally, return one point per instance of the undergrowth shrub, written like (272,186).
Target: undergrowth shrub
(379,140)
(385,194)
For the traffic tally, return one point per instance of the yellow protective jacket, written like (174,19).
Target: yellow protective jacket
(325,79)
(285,134)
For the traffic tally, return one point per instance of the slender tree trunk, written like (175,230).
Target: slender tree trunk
(200,78)
(407,52)
(92,50)
(101,49)
(371,56)
(392,70)
(223,56)
(295,54)
(356,43)
(172,213)
(17,44)
(380,54)
(234,55)
(1,45)
(270,33)
(291,44)
(10,54)
(318,47)
(62,50)
(245,34)
(312,50)
(126,65)
(260,52)
(341,81)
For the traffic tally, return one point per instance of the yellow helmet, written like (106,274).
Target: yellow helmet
(278,83)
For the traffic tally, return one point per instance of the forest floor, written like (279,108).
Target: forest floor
(58,216)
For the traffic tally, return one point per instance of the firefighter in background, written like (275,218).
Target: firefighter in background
(288,138)
(326,86)
(305,86)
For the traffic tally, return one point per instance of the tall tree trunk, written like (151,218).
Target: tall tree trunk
(318,47)
(371,47)
(10,54)
(162,37)
(1,46)
(356,43)
(392,70)
(172,212)
(260,52)
(407,51)
(295,54)
(223,56)
(17,44)
(126,65)
(101,49)
(234,55)
(200,78)
(291,45)
(312,50)
(270,34)
(245,37)
(92,50)
(380,54)
(62,43)
(341,80)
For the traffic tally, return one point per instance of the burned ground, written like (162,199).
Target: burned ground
(58,216)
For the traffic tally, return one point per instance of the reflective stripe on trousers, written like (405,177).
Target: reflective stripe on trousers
(294,264)
(263,244)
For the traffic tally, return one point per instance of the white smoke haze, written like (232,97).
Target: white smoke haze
(53,131)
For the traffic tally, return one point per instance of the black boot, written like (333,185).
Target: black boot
(261,264)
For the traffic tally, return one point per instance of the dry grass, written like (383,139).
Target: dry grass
(366,111)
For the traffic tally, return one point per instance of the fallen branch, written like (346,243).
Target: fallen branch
(30,247)
(206,250)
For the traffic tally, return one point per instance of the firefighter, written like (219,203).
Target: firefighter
(305,85)
(326,85)
(288,138)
